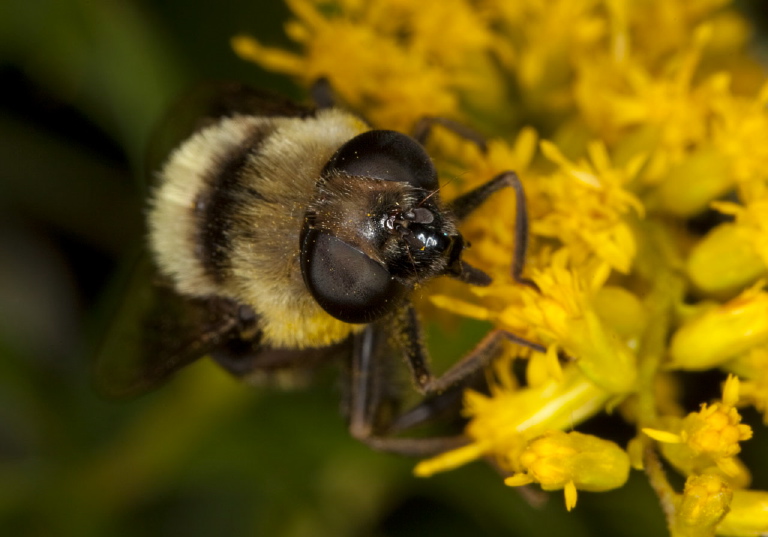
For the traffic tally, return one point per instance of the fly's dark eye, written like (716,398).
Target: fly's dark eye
(386,155)
(345,282)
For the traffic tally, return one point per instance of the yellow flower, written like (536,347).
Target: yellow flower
(416,65)
(693,180)
(621,310)
(542,67)
(753,366)
(725,260)
(659,27)
(708,437)
(559,314)
(703,504)
(599,227)
(571,461)
(723,332)
(632,94)
(650,113)
(737,121)
(562,315)
(751,218)
(747,515)
(501,424)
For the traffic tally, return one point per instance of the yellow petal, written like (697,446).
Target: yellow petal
(518,480)
(731,391)
(449,460)
(571,494)
(663,436)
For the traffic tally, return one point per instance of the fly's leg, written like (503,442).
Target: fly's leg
(374,414)
(374,403)
(465,204)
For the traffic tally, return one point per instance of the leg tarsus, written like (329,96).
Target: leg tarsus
(364,395)
(413,349)
(369,391)
(481,356)
(472,275)
(447,403)
(414,447)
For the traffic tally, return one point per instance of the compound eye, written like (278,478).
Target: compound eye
(346,283)
(387,155)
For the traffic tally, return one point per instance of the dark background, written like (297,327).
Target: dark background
(82,85)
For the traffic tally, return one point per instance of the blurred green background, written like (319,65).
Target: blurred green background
(83,82)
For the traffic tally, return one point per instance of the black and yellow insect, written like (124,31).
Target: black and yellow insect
(286,236)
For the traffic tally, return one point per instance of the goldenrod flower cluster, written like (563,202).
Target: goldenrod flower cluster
(638,129)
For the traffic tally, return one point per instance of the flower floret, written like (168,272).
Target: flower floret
(558,460)
(703,504)
(708,437)
(630,125)
(722,332)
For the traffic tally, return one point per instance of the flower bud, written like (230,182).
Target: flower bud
(693,183)
(558,460)
(724,260)
(703,504)
(747,515)
(718,334)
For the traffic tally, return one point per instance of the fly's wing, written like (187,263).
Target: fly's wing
(230,98)
(155,331)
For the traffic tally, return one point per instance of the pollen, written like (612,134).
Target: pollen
(716,430)
(709,437)
(703,504)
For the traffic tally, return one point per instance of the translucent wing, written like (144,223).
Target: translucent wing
(155,331)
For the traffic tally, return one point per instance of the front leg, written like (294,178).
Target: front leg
(466,203)
(417,356)
(375,399)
